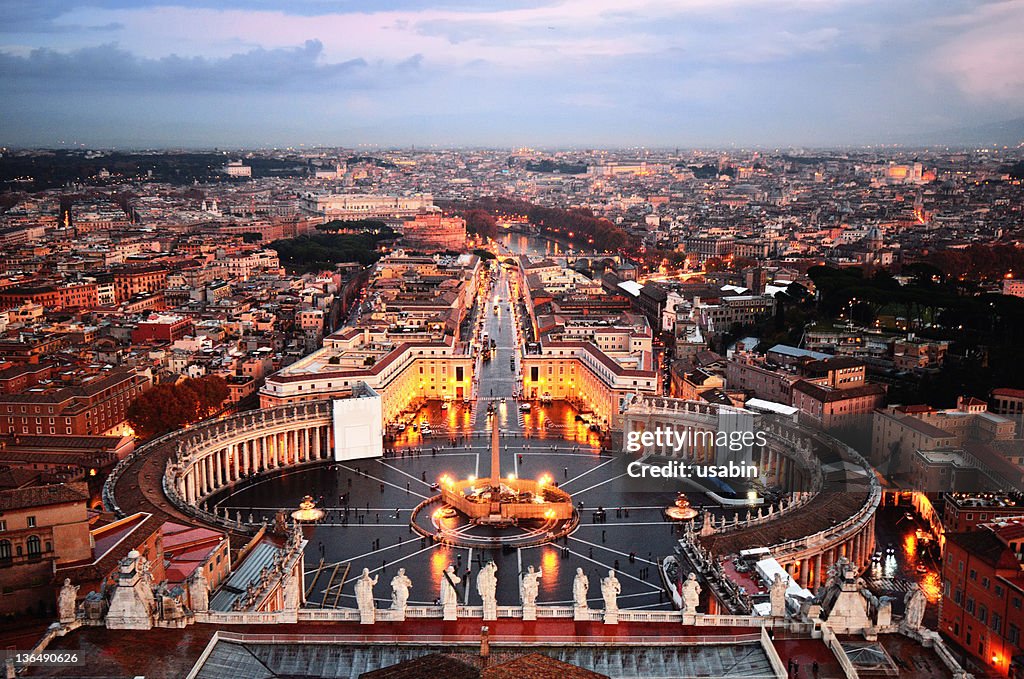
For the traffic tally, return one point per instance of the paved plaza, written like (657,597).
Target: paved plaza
(369,502)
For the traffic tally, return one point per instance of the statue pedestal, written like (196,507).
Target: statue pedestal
(398,614)
(367,617)
(450,612)
(490,610)
(530,612)
(611,617)
(689,618)
(579,613)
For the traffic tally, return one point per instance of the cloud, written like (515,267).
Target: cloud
(524,71)
(108,67)
(984,55)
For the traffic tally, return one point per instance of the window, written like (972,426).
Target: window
(5,550)
(973,574)
(30,521)
(997,623)
(970,606)
(984,583)
(1013,634)
(32,545)
(3,526)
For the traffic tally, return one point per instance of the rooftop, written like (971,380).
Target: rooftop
(40,496)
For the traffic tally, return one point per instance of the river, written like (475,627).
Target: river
(534,246)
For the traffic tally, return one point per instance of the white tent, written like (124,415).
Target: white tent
(767,568)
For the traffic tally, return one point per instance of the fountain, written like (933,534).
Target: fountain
(681,510)
(505,502)
(307,511)
(494,503)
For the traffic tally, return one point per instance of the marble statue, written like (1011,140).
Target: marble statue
(610,590)
(777,596)
(66,602)
(364,590)
(914,604)
(529,587)
(487,585)
(580,587)
(449,595)
(400,586)
(364,597)
(691,594)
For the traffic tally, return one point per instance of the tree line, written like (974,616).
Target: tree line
(576,225)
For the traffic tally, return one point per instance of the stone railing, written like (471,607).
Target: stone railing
(828,637)
(931,639)
(816,540)
(773,655)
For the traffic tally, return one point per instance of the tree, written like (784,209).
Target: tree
(211,391)
(481,223)
(167,407)
(163,408)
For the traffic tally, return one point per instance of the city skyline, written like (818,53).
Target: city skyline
(565,74)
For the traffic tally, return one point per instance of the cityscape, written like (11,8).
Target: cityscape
(421,402)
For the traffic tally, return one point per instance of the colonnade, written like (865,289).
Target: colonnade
(232,461)
(784,470)
(811,570)
(229,451)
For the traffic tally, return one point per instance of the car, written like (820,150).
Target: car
(444,405)
(502,399)
(525,407)
(425,429)
(401,426)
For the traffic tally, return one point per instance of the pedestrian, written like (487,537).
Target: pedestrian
(814,668)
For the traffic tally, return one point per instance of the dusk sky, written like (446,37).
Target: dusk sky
(532,73)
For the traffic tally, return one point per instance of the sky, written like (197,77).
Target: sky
(542,73)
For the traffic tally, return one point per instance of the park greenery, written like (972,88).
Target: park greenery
(324,249)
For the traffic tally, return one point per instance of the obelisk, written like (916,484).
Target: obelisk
(495,454)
